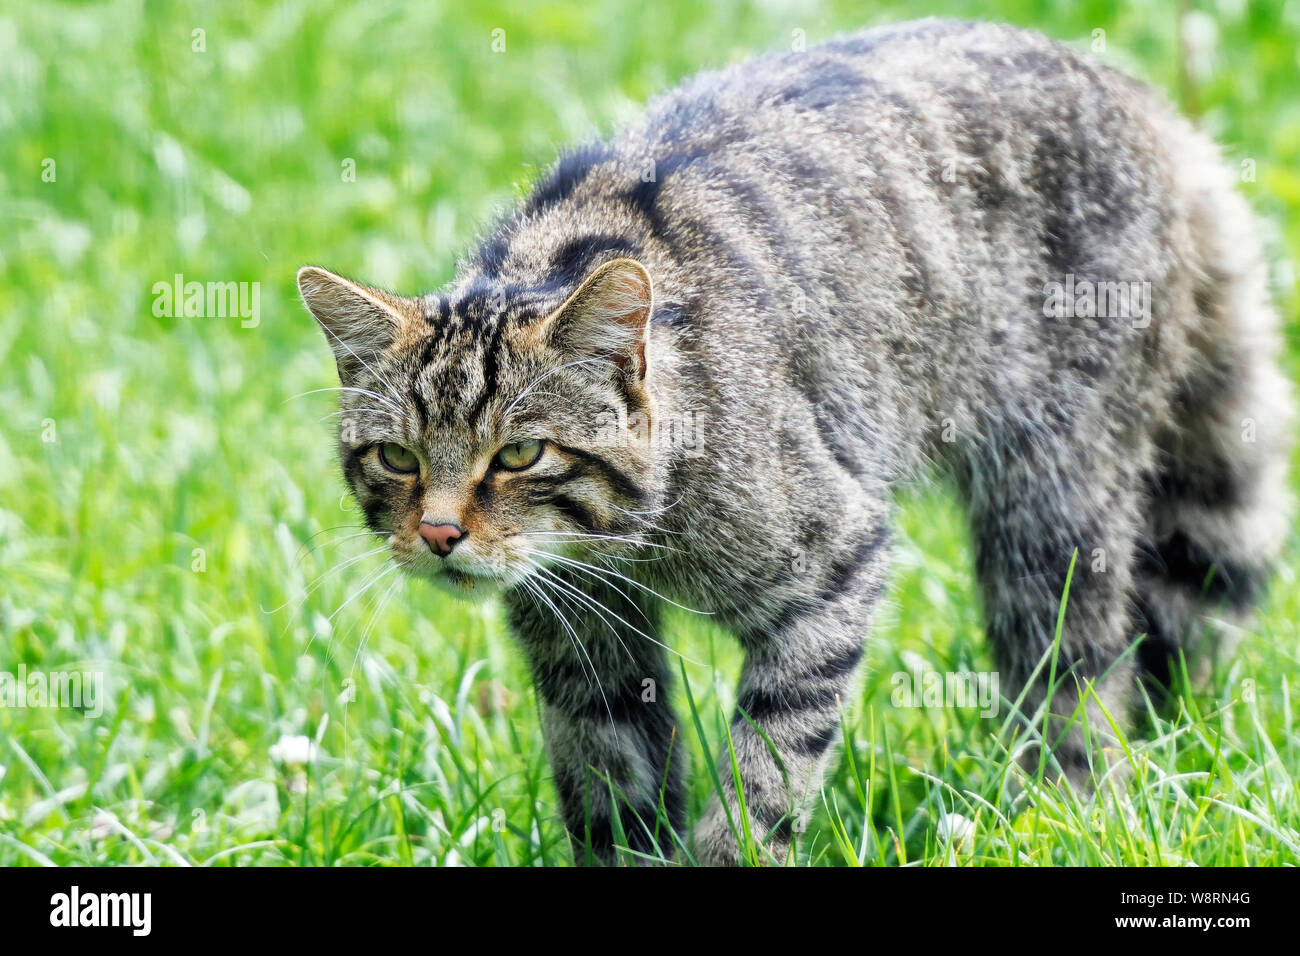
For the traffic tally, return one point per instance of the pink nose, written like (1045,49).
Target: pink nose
(441,537)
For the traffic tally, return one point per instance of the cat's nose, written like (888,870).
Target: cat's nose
(441,537)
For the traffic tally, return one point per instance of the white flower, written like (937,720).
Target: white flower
(293,750)
(957,831)
(103,825)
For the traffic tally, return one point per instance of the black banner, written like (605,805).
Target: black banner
(335,905)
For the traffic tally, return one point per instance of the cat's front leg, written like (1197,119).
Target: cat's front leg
(603,684)
(800,669)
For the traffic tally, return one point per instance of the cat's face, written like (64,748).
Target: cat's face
(481,436)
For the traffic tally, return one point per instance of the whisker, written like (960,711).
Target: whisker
(651,511)
(374,619)
(383,399)
(537,598)
(385,413)
(560,537)
(312,537)
(384,570)
(534,588)
(592,604)
(632,581)
(582,648)
(528,390)
(370,581)
(616,615)
(640,515)
(364,364)
(563,398)
(306,551)
(320,579)
(623,594)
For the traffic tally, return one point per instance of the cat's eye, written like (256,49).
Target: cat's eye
(396,458)
(519,455)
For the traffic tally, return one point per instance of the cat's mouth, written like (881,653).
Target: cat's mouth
(464,579)
(470,585)
(472,577)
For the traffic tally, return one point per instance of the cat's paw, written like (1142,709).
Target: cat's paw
(715,844)
(718,844)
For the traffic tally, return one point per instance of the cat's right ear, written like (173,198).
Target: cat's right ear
(360,323)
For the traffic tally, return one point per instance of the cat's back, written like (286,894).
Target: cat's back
(877,217)
(911,185)
(912,64)
(953,142)
(905,191)
(934,133)
(926,83)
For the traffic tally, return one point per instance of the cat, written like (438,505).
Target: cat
(699,359)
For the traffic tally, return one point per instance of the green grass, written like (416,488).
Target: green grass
(136,449)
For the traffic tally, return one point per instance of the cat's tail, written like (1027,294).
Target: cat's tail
(1220,506)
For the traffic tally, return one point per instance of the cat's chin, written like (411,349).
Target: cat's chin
(467,587)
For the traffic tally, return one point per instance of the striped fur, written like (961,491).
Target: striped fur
(834,263)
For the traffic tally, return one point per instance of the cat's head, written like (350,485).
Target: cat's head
(486,434)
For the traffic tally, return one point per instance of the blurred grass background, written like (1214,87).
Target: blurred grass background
(166,505)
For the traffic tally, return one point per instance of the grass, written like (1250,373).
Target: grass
(171,516)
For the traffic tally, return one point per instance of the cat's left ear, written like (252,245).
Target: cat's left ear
(608,318)
(360,323)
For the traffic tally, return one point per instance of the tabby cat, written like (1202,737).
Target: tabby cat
(697,361)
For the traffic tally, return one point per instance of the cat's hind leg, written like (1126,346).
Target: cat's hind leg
(1046,486)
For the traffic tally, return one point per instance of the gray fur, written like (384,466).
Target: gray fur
(849,251)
